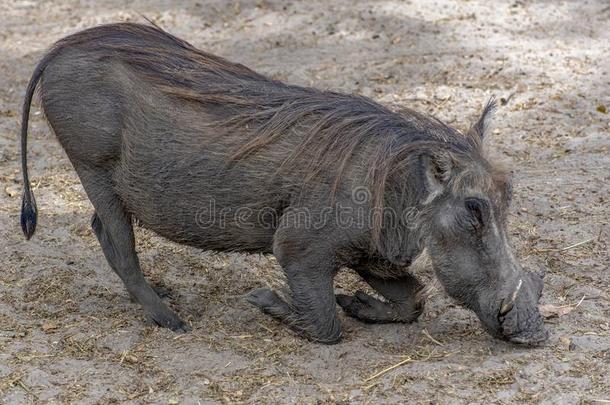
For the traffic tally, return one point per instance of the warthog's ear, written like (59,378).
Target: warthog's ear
(438,167)
(479,129)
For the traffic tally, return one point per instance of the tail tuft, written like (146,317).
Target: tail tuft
(29,213)
(28,203)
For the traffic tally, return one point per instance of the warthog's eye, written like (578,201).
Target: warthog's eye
(478,209)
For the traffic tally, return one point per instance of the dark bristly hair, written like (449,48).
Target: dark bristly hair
(338,125)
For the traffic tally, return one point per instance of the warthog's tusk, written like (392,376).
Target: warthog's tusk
(505,309)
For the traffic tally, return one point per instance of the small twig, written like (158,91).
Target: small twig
(577,244)
(24,387)
(19,382)
(123,357)
(368,387)
(264,327)
(385,370)
(572,305)
(193,333)
(567,247)
(426,334)
(597,297)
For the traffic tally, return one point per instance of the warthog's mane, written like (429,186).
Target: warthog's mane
(338,125)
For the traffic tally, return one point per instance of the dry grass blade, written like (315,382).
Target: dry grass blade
(555,311)
(368,387)
(385,370)
(415,356)
(563,249)
(426,334)
(576,244)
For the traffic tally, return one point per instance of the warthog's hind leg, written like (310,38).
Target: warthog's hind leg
(113,229)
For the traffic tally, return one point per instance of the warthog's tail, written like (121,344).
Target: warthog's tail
(28,203)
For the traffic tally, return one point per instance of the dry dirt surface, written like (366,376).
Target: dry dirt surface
(69,333)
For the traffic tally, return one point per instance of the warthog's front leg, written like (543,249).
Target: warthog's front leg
(310,266)
(403,303)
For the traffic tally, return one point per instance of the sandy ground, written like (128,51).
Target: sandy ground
(69,333)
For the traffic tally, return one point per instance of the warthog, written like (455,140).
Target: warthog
(211,154)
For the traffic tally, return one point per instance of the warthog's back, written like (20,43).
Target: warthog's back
(149,108)
(187,135)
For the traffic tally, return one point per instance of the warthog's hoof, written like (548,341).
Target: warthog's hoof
(170,321)
(371,310)
(269,302)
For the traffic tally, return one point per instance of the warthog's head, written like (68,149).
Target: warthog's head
(469,247)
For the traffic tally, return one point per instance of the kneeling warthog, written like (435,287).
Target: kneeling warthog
(211,154)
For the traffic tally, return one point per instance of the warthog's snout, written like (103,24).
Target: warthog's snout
(518,319)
